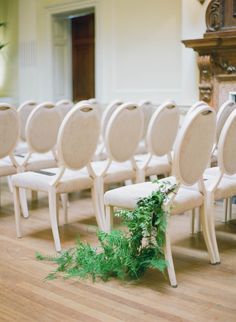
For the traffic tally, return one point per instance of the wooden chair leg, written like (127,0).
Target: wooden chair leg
(230,208)
(169,259)
(53,218)
(109,217)
(34,195)
(211,225)
(64,200)
(16,197)
(23,203)
(9,183)
(97,196)
(193,221)
(206,232)
(226,209)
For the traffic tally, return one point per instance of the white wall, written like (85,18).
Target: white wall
(139,54)
(193,26)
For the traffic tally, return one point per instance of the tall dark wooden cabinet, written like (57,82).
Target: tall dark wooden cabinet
(83,66)
(217,53)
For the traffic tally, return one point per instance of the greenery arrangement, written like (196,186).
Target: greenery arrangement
(3,25)
(122,254)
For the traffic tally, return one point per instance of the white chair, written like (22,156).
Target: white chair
(221,181)
(24,111)
(191,155)
(64,106)
(100,153)
(41,134)
(222,115)
(9,135)
(77,140)
(147,109)
(161,134)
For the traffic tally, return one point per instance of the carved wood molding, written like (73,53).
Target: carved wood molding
(214,15)
(205,85)
(225,65)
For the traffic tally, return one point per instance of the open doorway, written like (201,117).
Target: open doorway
(74,55)
(83,44)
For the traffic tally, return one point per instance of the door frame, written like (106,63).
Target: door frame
(69,8)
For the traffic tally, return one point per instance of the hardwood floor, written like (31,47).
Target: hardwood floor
(205,292)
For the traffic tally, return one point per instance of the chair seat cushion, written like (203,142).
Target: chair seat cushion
(22,147)
(40,181)
(128,196)
(226,188)
(37,161)
(117,172)
(157,165)
(6,167)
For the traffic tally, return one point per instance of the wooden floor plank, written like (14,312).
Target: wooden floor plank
(205,292)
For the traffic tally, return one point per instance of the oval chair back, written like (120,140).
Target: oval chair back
(195,106)
(123,132)
(42,127)
(110,109)
(163,128)
(64,106)
(78,136)
(147,109)
(222,115)
(24,111)
(193,145)
(9,129)
(226,146)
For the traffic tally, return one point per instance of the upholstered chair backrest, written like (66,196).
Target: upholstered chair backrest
(147,109)
(222,115)
(227,146)
(24,111)
(107,114)
(123,132)
(64,106)
(78,136)
(9,129)
(163,128)
(195,106)
(193,145)
(42,127)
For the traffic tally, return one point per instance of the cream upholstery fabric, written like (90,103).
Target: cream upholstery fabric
(147,110)
(163,128)
(40,181)
(128,196)
(64,106)
(226,144)
(110,109)
(76,147)
(9,129)
(117,172)
(222,115)
(121,141)
(6,167)
(24,111)
(157,165)
(42,127)
(191,156)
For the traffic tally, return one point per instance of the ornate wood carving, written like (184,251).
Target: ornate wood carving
(225,65)
(217,52)
(214,15)
(205,86)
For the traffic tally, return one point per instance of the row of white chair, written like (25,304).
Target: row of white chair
(197,187)
(121,142)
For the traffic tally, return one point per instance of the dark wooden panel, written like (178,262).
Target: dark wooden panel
(83,66)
